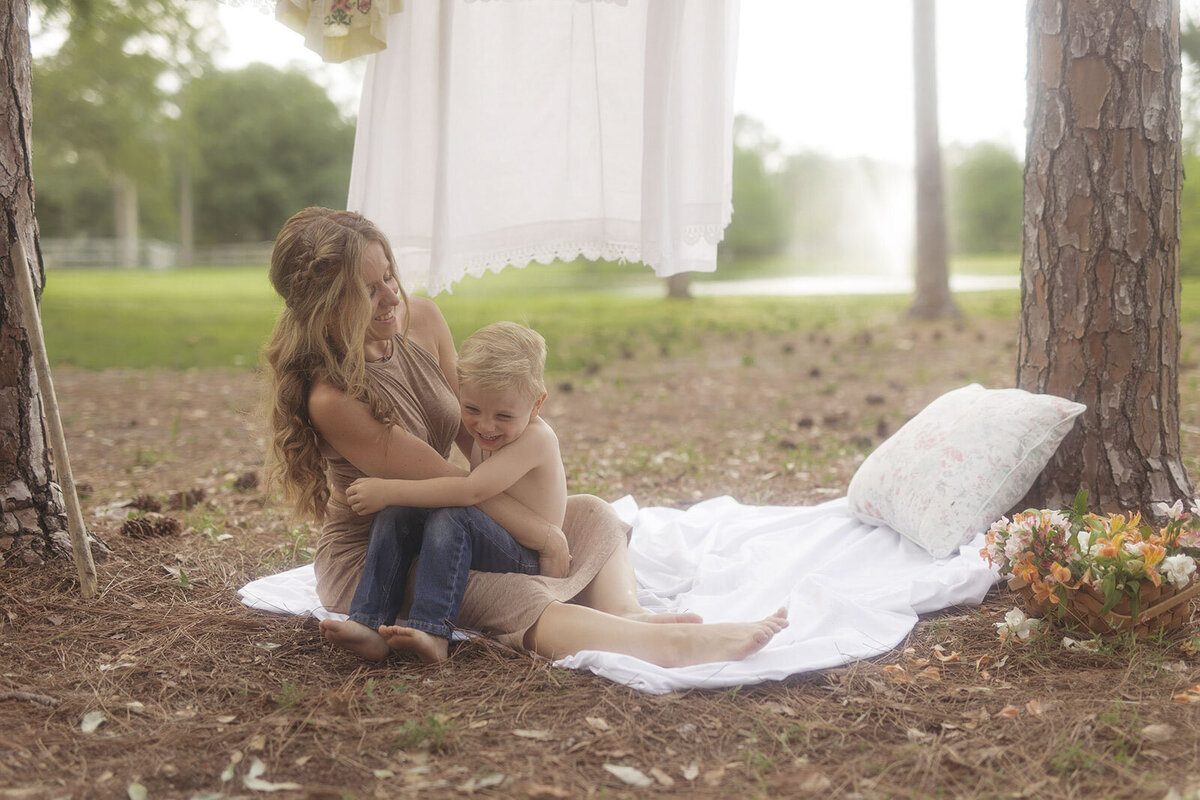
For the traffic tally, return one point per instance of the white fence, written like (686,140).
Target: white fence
(151,254)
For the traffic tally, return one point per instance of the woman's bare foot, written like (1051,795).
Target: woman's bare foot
(428,648)
(687,645)
(355,637)
(666,619)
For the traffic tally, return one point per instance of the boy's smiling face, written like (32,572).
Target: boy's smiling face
(496,417)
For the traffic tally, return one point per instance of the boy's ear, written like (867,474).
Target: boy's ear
(537,406)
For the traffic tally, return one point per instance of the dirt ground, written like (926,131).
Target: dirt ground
(165,686)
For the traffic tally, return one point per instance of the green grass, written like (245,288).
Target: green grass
(177,319)
(220,317)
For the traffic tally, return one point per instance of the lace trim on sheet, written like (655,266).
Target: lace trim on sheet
(478,264)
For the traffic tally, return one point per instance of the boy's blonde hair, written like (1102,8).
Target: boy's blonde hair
(504,355)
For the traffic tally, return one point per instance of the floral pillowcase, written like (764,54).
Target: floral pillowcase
(960,464)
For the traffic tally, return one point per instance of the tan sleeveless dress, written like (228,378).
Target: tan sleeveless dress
(500,605)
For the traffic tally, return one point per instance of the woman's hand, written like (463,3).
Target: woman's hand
(555,558)
(366,496)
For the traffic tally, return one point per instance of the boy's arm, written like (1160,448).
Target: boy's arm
(492,477)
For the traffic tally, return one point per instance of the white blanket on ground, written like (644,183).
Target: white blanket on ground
(852,590)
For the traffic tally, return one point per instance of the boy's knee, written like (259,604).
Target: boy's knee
(444,528)
(400,517)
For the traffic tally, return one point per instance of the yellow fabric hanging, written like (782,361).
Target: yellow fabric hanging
(339,30)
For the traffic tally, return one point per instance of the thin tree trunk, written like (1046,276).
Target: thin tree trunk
(125,202)
(32,522)
(679,286)
(1100,264)
(931,289)
(187,217)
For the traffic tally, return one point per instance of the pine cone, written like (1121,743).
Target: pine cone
(150,525)
(182,501)
(146,502)
(246,481)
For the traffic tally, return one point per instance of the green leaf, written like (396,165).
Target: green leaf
(1111,595)
(1079,507)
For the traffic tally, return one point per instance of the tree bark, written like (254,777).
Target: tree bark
(32,522)
(1100,263)
(931,285)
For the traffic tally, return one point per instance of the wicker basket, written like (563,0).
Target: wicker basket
(1164,608)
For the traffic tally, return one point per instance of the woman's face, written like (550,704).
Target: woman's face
(384,292)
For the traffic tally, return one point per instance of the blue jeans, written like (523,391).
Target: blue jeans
(451,542)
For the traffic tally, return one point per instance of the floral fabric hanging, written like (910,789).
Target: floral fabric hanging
(339,29)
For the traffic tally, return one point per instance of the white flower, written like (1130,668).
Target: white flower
(1178,570)
(1060,521)
(1136,548)
(1173,511)
(1013,548)
(1094,550)
(1017,624)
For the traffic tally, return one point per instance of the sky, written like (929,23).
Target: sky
(829,76)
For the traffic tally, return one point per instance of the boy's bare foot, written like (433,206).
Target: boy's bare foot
(428,648)
(355,637)
(688,645)
(666,619)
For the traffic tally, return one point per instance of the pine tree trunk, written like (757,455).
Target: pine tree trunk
(32,522)
(931,286)
(1100,265)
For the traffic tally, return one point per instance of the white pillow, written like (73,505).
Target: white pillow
(961,464)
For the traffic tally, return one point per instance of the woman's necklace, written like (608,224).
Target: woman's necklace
(391,346)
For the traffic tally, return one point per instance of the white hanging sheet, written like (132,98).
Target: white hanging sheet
(496,133)
(853,590)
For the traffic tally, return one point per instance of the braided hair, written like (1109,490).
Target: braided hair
(316,267)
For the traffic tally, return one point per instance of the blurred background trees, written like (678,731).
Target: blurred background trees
(261,143)
(137,136)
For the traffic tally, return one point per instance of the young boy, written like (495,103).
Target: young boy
(512,450)
(501,391)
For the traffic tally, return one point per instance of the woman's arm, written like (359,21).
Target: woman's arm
(376,449)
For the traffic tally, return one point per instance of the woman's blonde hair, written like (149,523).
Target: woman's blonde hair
(504,355)
(316,267)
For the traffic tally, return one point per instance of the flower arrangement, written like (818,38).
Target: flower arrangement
(1108,572)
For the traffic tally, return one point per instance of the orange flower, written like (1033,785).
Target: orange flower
(1111,548)
(1061,574)
(1026,570)
(1152,554)
(1043,592)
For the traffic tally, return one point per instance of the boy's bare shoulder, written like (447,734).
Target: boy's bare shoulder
(541,429)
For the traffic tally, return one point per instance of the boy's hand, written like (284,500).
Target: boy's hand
(555,559)
(365,496)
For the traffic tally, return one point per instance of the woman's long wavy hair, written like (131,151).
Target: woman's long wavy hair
(316,267)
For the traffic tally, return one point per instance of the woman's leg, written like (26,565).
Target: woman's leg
(565,629)
(394,540)
(614,591)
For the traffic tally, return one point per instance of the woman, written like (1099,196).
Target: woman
(363,384)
